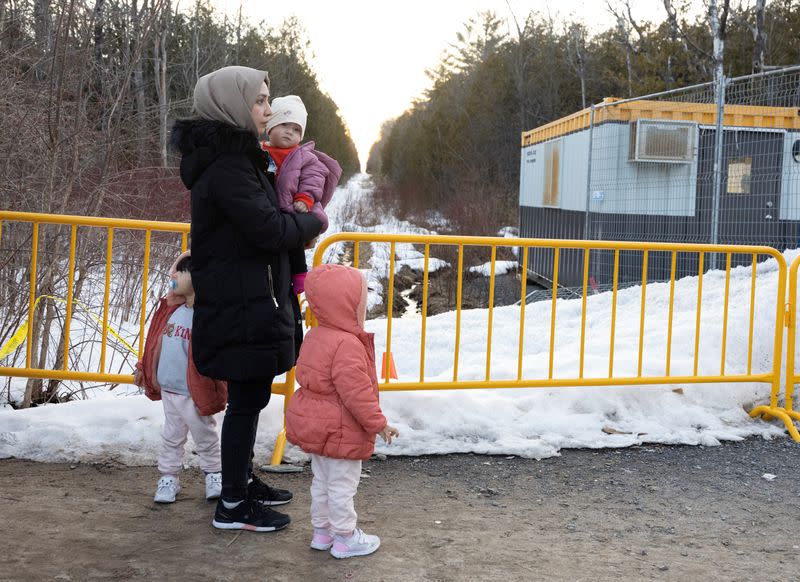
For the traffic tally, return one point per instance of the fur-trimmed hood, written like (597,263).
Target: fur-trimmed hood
(201,141)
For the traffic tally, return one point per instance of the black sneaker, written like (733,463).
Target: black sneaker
(267,495)
(249,515)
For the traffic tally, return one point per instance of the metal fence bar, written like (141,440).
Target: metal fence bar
(70,282)
(491,312)
(553,314)
(106,291)
(752,311)
(389,309)
(458,310)
(642,313)
(32,292)
(699,309)
(725,313)
(718,138)
(612,339)
(583,310)
(522,303)
(671,310)
(791,339)
(424,311)
(145,272)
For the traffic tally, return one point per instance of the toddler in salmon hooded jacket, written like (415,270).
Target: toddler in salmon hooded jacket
(335,414)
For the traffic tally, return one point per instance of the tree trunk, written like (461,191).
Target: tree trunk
(33,388)
(52,385)
(760,37)
(578,45)
(138,81)
(717,19)
(2,24)
(160,70)
(99,46)
(42,25)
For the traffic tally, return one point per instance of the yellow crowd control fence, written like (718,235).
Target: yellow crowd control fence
(110,226)
(676,358)
(657,368)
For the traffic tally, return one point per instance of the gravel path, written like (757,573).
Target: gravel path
(643,513)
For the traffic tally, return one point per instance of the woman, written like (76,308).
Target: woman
(244,318)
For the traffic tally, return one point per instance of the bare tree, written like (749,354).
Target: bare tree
(576,51)
(160,70)
(138,78)
(678,28)
(42,25)
(718,21)
(759,36)
(624,26)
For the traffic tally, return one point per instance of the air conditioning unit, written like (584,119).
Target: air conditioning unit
(670,142)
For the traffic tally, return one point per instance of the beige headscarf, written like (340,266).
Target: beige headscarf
(228,94)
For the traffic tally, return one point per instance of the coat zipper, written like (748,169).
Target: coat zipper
(271,288)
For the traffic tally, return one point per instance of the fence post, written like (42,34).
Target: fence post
(719,89)
(589,176)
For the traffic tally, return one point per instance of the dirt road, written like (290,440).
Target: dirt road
(644,513)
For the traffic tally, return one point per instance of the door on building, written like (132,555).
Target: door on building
(751,188)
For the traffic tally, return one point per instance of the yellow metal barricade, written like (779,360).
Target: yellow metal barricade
(787,413)
(772,377)
(110,225)
(517,377)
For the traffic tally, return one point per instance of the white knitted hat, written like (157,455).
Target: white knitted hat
(289,109)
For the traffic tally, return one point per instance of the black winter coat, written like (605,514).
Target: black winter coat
(244,321)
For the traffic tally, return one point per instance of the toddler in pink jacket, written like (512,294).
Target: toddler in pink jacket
(335,415)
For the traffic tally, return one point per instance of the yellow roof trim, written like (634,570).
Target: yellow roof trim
(702,113)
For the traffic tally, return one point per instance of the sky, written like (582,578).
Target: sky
(123,425)
(371,55)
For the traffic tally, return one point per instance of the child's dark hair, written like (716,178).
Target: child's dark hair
(185,264)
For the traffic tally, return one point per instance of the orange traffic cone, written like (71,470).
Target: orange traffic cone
(392,369)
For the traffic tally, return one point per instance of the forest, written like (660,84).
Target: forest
(88,93)
(456,149)
(89,90)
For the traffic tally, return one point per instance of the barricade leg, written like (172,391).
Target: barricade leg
(280,442)
(770,412)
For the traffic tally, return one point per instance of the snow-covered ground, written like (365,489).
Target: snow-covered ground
(527,422)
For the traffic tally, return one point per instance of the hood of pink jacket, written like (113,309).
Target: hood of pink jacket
(337,296)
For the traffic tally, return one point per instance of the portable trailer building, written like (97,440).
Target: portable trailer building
(644,170)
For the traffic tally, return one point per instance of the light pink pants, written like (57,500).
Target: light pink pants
(180,418)
(332,491)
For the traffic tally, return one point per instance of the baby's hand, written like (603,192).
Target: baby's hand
(388,432)
(300,206)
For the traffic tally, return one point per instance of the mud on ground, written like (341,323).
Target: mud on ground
(643,513)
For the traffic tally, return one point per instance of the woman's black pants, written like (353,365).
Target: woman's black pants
(246,400)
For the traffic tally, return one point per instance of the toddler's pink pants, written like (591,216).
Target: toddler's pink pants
(332,491)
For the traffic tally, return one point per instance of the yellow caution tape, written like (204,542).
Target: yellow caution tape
(21,334)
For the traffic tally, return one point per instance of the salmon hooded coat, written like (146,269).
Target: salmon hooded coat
(335,412)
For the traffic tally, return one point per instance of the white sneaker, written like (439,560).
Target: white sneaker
(213,485)
(167,488)
(358,544)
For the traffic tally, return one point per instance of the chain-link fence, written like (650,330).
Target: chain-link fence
(711,163)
